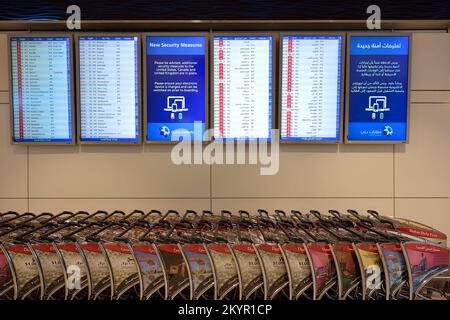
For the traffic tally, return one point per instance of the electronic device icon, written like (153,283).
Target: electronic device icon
(377,104)
(176,104)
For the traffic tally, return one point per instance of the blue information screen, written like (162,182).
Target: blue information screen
(41,89)
(378,88)
(176,97)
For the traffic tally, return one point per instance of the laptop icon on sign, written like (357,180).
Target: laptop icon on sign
(176,104)
(377,104)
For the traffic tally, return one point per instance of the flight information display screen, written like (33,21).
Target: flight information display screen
(41,89)
(108,89)
(311,88)
(378,74)
(176,87)
(242,87)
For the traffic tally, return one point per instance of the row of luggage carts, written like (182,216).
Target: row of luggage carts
(226,255)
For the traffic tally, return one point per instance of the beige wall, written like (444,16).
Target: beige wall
(410,181)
